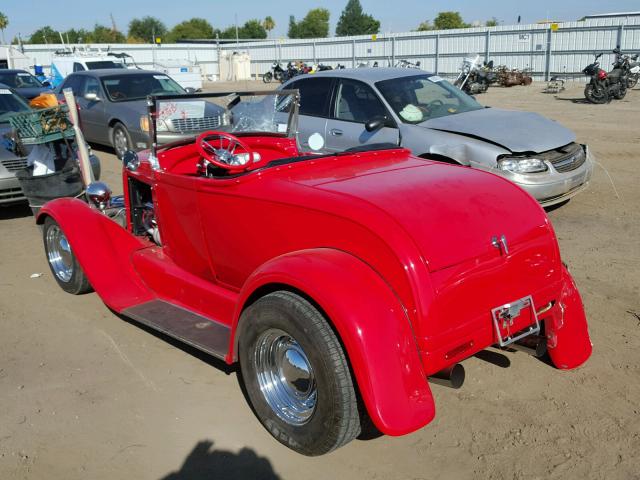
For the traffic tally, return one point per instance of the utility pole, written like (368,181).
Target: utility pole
(237,40)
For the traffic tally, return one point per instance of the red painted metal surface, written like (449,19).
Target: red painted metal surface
(396,250)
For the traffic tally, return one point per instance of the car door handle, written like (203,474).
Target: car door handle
(335,132)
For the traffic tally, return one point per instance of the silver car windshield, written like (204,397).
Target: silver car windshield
(19,80)
(422,97)
(10,104)
(124,88)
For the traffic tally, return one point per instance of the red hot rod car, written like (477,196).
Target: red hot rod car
(340,283)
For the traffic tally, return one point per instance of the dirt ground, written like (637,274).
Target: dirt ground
(85,394)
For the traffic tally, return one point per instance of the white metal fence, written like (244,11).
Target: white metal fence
(565,51)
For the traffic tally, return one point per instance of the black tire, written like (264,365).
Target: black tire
(596,95)
(267,77)
(632,81)
(121,140)
(62,262)
(620,93)
(334,419)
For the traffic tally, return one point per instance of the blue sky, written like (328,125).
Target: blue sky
(395,15)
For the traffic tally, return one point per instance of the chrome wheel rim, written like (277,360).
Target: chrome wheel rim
(59,254)
(120,142)
(285,377)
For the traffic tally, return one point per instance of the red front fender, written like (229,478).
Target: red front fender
(103,249)
(567,334)
(372,325)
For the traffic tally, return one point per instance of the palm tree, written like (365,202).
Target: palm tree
(4,22)
(269,24)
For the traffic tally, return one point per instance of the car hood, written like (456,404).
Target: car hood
(519,132)
(451,212)
(32,92)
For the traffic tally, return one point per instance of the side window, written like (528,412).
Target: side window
(91,85)
(77,67)
(357,102)
(314,96)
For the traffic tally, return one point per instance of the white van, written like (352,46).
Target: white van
(61,66)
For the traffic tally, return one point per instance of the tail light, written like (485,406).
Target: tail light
(602,75)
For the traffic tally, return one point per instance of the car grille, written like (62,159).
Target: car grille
(570,161)
(195,124)
(10,194)
(14,164)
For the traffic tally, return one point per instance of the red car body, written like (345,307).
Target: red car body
(395,250)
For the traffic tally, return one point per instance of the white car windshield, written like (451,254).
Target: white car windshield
(122,88)
(419,98)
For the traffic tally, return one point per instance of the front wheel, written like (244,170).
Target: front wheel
(632,81)
(296,375)
(596,94)
(121,140)
(267,77)
(62,262)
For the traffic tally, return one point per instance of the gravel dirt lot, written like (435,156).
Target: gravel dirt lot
(85,394)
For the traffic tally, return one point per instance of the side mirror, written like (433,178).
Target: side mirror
(375,124)
(190,90)
(91,97)
(130,160)
(46,83)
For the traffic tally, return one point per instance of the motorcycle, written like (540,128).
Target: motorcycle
(276,72)
(473,78)
(603,85)
(634,72)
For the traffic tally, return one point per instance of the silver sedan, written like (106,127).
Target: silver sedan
(425,113)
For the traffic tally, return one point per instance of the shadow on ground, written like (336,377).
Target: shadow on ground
(206,463)
(20,210)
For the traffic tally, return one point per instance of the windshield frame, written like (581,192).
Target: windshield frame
(135,99)
(459,94)
(152,109)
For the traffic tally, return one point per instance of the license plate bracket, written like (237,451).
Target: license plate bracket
(515,320)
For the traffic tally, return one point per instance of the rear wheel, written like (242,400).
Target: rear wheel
(296,375)
(62,262)
(632,81)
(596,94)
(267,77)
(121,140)
(621,92)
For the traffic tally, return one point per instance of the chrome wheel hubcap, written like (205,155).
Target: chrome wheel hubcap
(285,377)
(59,254)
(120,142)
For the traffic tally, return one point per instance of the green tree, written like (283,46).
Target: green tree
(194,28)
(4,23)
(449,20)
(102,34)
(251,29)
(314,25)
(77,36)
(269,24)
(45,34)
(353,21)
(293,27)
(493,22)
(144,29)
(424,26)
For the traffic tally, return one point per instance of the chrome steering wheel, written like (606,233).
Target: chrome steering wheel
(223,150)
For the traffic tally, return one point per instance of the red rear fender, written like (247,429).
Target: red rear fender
(371,323)
(103,249)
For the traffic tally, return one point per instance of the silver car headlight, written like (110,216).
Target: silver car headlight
(161,125)
(522,165)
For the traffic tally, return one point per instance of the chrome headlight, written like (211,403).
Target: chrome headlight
(522,165)
(161,125)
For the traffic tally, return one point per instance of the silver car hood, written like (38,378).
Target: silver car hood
(517,131)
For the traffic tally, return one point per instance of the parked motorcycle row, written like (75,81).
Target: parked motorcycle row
(476,76)
(605,86)
(293,69)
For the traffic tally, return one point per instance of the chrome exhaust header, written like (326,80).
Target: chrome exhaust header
(452,376)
